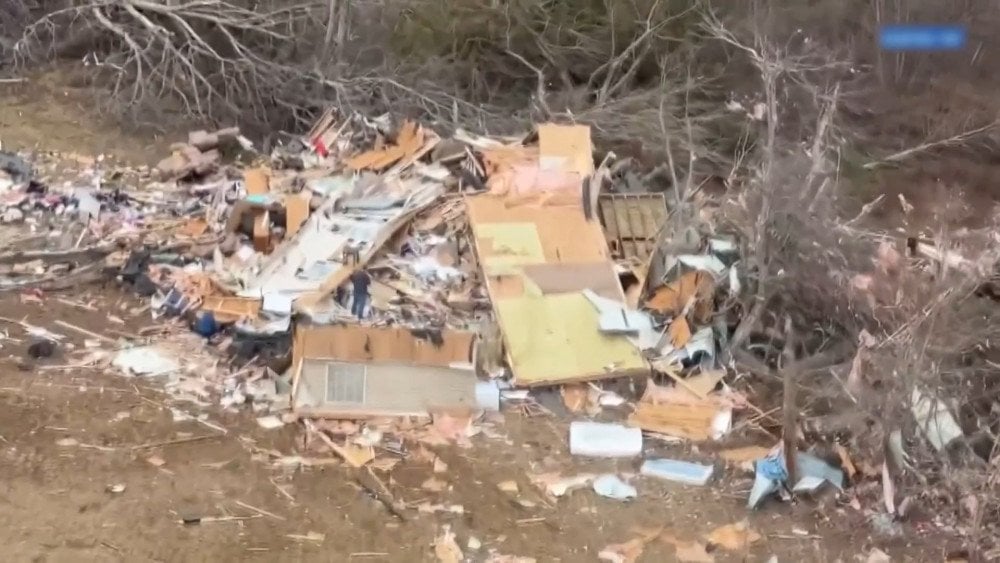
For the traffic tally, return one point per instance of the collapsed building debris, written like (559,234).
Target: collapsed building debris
(372,271)
(350,371)
(492,243)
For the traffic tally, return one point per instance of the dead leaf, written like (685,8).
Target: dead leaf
(446,548)
(733,537)
(155,461)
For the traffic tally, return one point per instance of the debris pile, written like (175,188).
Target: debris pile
(373,268)
(388,287)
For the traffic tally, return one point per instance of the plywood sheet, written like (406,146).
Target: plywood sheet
(539,253)
(409,141)
(360,344)
(566,147)
(257,181)
(296,213)
(549,279)
(554,338)
(564,233)
(231,309)
(504,246)
(538,260)
(692,421)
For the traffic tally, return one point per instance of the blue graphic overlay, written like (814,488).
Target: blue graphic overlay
(904,37)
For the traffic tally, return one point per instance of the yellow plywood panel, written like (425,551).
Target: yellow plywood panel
(555,338)
(565,233)
(538,257)
(505,245)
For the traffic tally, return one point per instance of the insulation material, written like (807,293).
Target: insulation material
(538,258)
(528,179)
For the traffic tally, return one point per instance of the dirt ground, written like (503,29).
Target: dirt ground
(57,504)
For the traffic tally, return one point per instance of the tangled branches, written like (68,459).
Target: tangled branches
(205,54)
(460,63)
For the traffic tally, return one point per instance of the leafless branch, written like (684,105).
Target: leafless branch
(950,141)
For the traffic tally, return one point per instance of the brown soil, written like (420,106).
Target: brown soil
(49,113)
(55,504)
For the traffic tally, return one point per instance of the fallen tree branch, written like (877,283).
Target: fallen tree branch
(789,404)
(53,256)
(58,282)
(950,141)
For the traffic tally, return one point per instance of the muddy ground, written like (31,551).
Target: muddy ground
(57,504)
